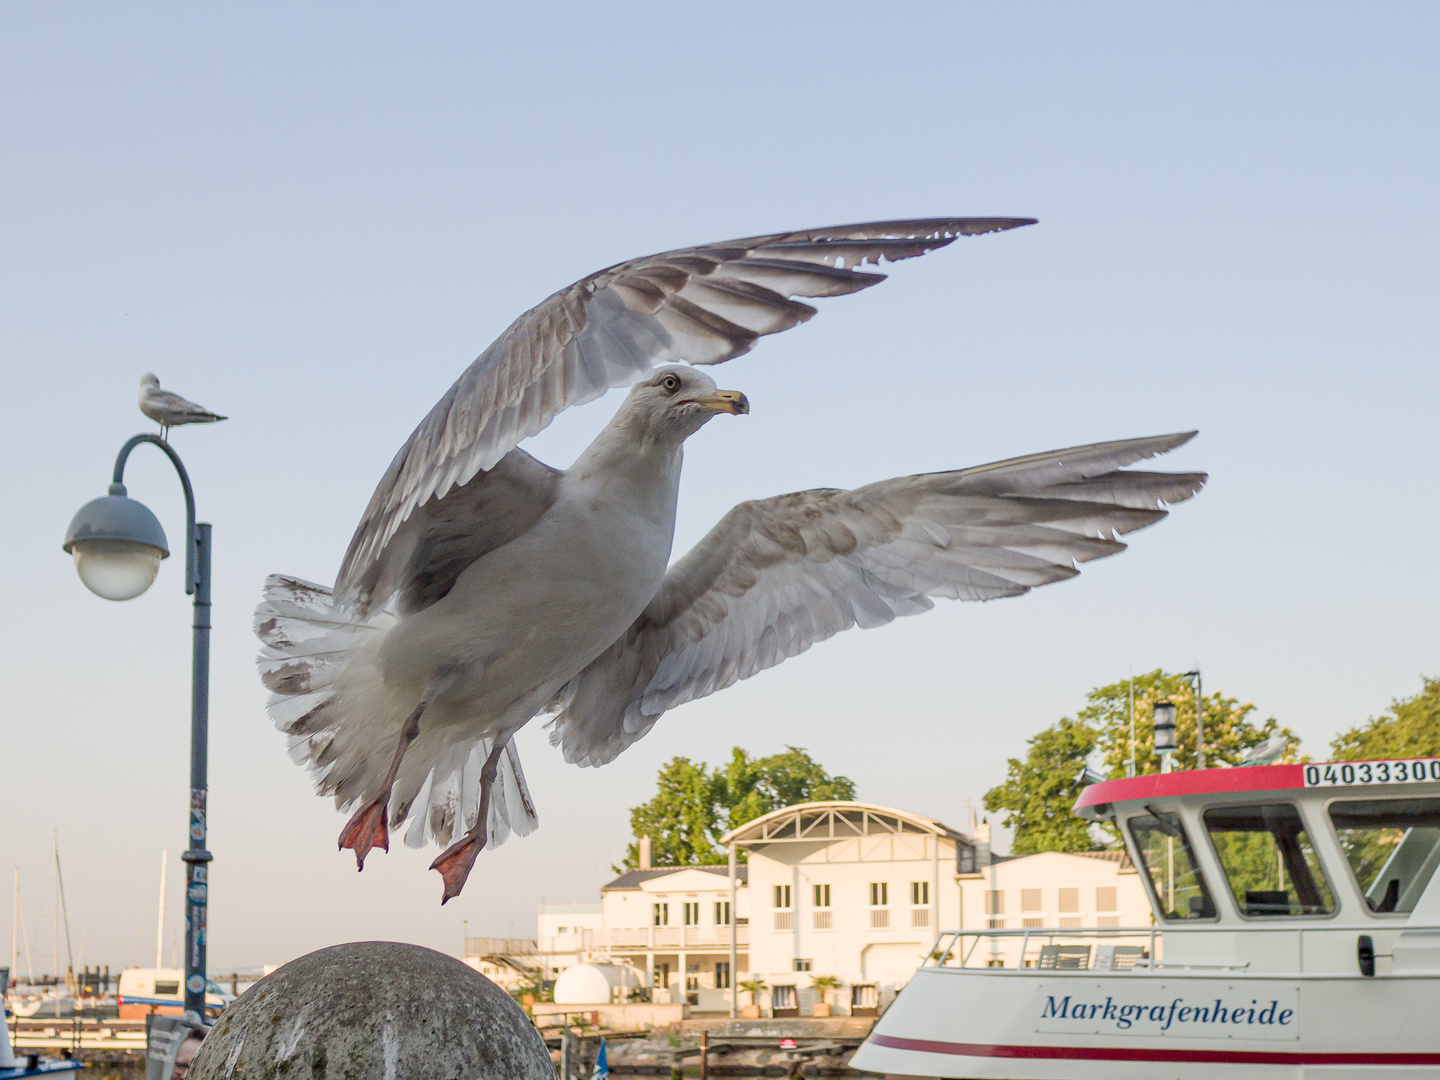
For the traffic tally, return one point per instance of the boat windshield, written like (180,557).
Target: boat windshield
(1269,862)
(1393,847)
(1170,866)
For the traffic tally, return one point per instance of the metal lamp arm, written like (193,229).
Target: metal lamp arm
(192,536)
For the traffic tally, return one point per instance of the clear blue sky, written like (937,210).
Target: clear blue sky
(312,217)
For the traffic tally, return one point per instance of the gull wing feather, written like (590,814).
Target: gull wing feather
(777,575)
(705,305)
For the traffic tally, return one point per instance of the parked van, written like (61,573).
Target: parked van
(158,990)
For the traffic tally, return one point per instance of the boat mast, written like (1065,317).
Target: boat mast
(65,912)
(15,931)
(160,922)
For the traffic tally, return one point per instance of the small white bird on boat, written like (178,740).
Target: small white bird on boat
(171,410)
(483,588)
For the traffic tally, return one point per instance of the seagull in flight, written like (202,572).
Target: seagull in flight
(171,410)
(483,588)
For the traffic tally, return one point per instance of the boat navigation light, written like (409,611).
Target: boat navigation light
(1164,728)
(117,544)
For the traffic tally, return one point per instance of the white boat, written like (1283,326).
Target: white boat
(1295,934)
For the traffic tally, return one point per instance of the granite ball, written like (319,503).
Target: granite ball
(374,1010)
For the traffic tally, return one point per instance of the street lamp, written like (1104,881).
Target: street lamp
(117,544)
(1164,715)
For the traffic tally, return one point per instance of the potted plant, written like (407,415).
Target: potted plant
(753,986)
(824,984)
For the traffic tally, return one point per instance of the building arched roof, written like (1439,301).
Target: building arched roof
(818,822)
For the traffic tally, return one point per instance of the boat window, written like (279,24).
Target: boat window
(1268,860)
(1170,866)
(1393,847)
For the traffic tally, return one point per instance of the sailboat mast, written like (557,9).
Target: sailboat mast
(15,929)
(65,914)
(160,923)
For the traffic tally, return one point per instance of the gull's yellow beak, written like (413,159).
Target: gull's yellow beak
(728,401)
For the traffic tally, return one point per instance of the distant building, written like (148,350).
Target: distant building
(846,889)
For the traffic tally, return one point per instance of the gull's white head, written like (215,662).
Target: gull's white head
(149,382)
(674,403)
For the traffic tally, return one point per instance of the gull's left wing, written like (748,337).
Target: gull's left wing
(704,305)
(777,575)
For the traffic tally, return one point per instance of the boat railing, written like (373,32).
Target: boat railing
(949,943)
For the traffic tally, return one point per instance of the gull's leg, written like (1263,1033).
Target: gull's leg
(366,828)
(454,862)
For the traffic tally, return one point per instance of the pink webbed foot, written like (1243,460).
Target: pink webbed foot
(366,830)
(455,863)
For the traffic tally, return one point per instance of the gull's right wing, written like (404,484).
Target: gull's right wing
(777,575)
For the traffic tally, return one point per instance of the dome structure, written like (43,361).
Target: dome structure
(594,984)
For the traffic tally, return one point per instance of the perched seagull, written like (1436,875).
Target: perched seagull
(171,410)
(1265,753)
(483,587)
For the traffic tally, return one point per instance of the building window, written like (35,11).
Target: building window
(692,913)
(879,918)
(722,912)
(1108,920)
(1068,922)
(662,975)
(722,975)
(823,920)
(784,920)
(1069,900)
(1030,900)
(782,896)
(822,895)
(997,924)
(879,894)
(920,894)
(562,930)
(919,918)
(662,914)
(1105,899)
(801,965)
(994,901)
(1032,921)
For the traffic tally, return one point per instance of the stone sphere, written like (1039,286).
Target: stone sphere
(374,1010)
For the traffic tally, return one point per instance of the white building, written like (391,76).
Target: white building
(846,889)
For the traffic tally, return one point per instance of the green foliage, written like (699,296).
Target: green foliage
(1229,729)
(1411,728)
(753,986)
(694,805)
(749,788)
(1040,791)
(824,984)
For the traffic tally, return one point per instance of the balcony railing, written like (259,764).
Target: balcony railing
(654,937)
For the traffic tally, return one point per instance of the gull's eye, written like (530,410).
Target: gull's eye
(671,383)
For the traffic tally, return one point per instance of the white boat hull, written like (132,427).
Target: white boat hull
(1085,1025)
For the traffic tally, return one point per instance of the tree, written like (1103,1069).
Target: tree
(1229,730)
(1040,791)
(683,820)
(751,787)
(694,805)
(1411,728)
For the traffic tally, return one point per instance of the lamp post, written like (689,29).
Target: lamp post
(117,544)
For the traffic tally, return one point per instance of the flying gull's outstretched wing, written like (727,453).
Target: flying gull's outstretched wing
(702,304)
(777,575)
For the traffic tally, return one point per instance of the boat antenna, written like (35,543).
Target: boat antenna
(1130,771)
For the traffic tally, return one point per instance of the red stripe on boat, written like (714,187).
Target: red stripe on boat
(1126,1053)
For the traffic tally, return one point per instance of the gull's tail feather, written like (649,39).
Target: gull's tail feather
(343,722)
(449,799)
